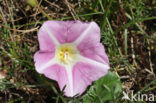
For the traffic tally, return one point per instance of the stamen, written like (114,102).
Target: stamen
(66,54)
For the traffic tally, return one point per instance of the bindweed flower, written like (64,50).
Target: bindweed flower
(71,53)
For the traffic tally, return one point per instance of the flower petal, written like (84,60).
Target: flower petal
(57,29)
(90,31)
(87,38)
(75,30)
(67,31)
(53,72)
(44,64)
(42,59)
(94,51)
(55,32)
(84,74)
(93,62)
(88,43)
(62,76)
(46,38)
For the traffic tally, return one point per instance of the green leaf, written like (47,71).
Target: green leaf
(108,87)
(105,90)
(33,3)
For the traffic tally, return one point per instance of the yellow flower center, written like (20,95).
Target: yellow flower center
(66,53)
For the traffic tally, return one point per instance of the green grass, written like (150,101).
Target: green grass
(119,25)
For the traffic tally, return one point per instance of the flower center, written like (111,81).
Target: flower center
(66,53)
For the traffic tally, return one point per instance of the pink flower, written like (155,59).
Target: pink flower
(71,53)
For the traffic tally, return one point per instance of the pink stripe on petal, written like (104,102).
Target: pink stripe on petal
(84,74)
